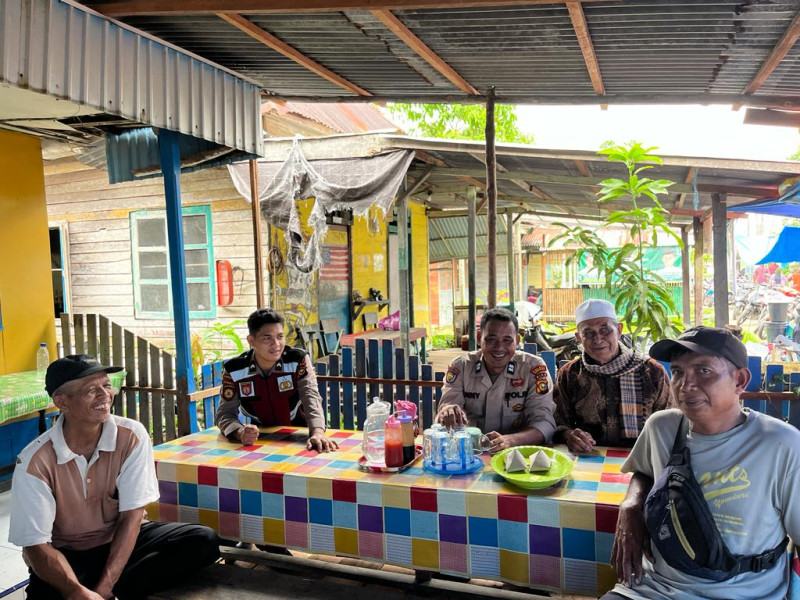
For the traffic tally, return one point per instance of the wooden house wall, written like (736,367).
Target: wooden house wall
(96,217)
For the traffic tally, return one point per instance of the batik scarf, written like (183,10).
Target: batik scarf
(624,368)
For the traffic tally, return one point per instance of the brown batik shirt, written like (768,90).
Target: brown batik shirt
(592,402)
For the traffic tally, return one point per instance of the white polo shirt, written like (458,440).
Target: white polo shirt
(58,497)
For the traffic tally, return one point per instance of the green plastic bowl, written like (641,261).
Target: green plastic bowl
(560,467)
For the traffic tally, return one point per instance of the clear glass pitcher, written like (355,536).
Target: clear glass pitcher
(374,438)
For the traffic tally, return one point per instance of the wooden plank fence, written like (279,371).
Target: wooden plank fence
(391,376)
(372,369)
(149,394)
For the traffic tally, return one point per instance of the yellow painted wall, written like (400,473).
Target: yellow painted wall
(535,270)
(420,264)
(26,286)
(369,261)
(296,293)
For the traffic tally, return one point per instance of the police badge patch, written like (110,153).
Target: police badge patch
(517,423)
(246,389)
(518,407)
(517,382)
(285,383)
(539,372)
(301,370)
(452,374)
(228,387)
(542,387)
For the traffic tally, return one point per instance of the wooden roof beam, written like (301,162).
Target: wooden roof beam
(778,118)
(130,8)
(288,51)
(689,178)
(775,57)
(581,28)
(753,191)
(397,27)
(520,183)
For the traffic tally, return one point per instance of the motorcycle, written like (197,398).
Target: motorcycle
(565,345)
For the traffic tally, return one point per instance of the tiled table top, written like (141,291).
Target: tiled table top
(278,492)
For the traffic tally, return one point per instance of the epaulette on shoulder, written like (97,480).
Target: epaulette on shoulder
(292,354)
(237,362)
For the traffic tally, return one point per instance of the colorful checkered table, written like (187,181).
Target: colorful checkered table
(476,525)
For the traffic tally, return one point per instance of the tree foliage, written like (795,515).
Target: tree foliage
(639,294)
(460,121)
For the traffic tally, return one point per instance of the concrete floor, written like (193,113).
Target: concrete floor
(13,572)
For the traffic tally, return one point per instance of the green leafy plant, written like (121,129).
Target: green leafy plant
(640,295)
(460,121)
(208,345)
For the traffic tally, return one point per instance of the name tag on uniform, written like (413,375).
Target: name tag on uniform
(285,383)
(246,389)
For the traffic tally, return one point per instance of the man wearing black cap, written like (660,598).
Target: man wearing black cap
(747,465)
(78,497)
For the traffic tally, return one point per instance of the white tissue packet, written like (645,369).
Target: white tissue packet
(539,461)
(515,462)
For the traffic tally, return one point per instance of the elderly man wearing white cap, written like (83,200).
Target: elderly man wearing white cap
(605,395)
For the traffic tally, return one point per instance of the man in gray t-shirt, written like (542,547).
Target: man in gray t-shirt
(747,463)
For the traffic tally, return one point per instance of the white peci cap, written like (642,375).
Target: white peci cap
(594,309)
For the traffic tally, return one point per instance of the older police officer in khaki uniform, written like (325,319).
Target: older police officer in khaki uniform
(504,392)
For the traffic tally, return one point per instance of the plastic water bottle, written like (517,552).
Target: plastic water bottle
(42,360)
(374,438)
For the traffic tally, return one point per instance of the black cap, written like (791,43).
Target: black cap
(72,367)
(711,341)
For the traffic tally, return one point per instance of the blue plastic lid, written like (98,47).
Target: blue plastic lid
(404,418)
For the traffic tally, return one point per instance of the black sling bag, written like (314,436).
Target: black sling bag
(682,527)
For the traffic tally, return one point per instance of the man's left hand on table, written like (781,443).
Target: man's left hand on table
(319,442)
(499,442)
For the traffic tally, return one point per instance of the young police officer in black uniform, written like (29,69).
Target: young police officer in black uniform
(273,384)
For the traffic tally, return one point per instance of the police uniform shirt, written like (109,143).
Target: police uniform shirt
(521,397)
(286,395)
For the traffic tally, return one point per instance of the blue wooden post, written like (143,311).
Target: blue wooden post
(400,372)
(208,403)
(794,405)
(347,388)
(413,375)
(438,376)
(170,159)
(549,358)
(217,369)
(387,359)
(361,388)
(754,365)
(373,367)
(774,376)
(334,407)
(427,397)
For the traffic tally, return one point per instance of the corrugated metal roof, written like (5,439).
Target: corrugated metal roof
(644,48)
(454,243)
(339,118)
(53,48)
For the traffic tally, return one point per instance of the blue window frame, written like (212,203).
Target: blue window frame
(151,284)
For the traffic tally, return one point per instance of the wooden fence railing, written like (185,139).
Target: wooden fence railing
(149,394)
(378,369)
(346,383)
